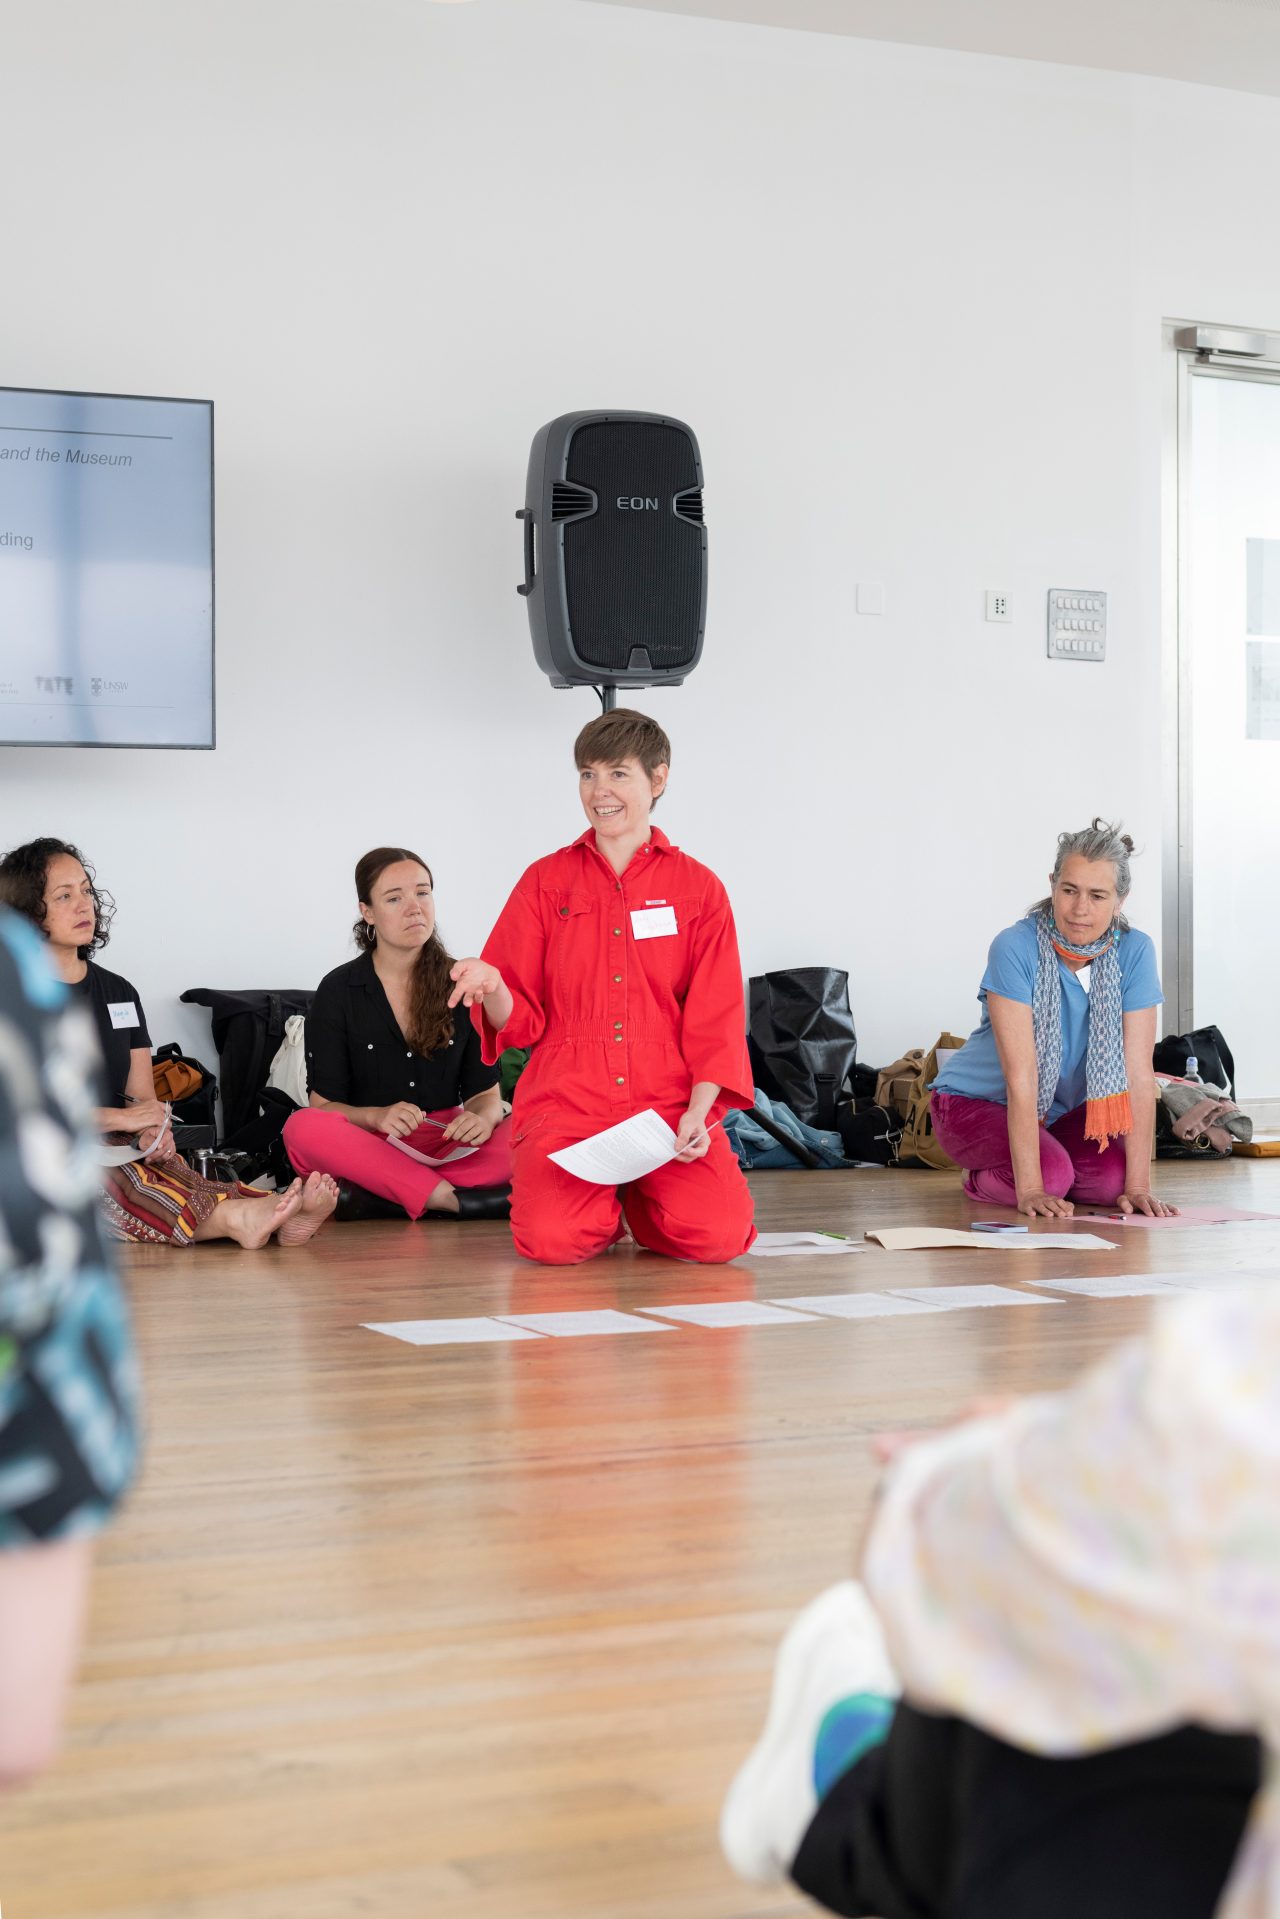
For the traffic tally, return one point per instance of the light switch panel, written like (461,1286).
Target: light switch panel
(1077,624)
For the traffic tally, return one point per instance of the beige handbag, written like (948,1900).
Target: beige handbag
(904,1088)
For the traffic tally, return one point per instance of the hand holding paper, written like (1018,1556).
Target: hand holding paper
(624,1152)
(693,1135)
(429,1144)
(151,1142)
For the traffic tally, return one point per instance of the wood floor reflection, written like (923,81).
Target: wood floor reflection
(479,1632)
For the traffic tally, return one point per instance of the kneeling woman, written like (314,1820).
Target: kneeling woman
(616,961)
(1052,1101)
(156,1200)
(388,1061)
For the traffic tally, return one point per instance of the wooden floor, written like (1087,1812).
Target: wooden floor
(481,1632)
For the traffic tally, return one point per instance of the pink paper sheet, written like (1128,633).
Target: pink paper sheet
(1188,1216)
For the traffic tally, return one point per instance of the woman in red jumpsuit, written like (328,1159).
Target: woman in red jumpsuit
(616,961)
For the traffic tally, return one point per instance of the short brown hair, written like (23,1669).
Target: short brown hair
(622,735)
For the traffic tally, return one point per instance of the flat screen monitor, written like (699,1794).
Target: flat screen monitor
(106,570)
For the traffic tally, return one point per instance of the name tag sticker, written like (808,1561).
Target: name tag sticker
(654,922)
(124,1012)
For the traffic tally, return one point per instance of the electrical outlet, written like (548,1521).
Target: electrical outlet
(998,607)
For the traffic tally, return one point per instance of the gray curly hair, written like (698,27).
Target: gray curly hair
(1100,840)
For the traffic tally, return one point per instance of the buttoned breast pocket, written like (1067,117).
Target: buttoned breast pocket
(663,934)
(570,907)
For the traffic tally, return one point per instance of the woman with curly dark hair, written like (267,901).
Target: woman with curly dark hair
(156,1199)
(396,1081)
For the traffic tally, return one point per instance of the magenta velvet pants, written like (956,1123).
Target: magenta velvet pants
(975,1134)
(321,1142)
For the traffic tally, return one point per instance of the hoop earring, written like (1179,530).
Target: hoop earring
(370,934)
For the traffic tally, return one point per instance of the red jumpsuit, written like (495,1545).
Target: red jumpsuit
(618,1023)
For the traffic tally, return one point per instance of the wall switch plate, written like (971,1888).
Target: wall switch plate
(1077,624)
(998,606)
(870,598)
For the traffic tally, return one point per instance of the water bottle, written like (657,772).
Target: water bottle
(1193,1070)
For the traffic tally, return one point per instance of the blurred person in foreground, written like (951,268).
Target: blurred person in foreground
(1058,1690)
(68,1413)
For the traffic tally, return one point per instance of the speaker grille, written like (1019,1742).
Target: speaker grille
(634,572)
(568,502)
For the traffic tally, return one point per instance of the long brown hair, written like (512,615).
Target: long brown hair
(430,1020)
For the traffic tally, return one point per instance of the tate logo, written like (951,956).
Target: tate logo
(55,683)
(636,503)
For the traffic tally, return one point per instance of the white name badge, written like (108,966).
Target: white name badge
(124,1012)
(654,922)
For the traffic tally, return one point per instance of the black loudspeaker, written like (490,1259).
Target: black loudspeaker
(615,550)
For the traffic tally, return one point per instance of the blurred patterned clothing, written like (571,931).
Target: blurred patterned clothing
(1101,1565)
(68,1394)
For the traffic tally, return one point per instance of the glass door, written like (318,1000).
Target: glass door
(1227,958)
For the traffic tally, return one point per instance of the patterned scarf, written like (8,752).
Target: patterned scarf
(1108,1114)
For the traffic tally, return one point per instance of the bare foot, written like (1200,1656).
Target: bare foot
(251,1222)
(319,1197)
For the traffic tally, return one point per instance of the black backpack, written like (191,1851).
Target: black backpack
(248,1028)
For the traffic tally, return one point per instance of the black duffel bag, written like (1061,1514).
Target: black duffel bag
(802,1042)
(1215,1063)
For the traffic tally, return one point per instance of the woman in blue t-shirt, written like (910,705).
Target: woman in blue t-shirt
(1053,1099)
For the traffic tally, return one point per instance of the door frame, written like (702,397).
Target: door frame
(1186,362)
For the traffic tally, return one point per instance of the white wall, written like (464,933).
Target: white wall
(911,303)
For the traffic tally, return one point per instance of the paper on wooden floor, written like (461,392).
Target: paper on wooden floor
(447,1332)
(799,1245)
(949,1299)
(1115,1285)
(1221,1280)
(1200,1216)
(908,1239)
(579,1325)
(1037,1242)
(732,1312)
(857,1305)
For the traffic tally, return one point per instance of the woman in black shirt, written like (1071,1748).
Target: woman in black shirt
(396,1079)
(156,1199)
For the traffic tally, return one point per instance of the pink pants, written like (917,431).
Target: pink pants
(975,1134)
(322,1142)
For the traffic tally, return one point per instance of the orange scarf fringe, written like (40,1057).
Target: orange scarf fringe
(1107,1119)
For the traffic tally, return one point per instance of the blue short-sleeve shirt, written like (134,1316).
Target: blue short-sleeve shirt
(975,1071)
